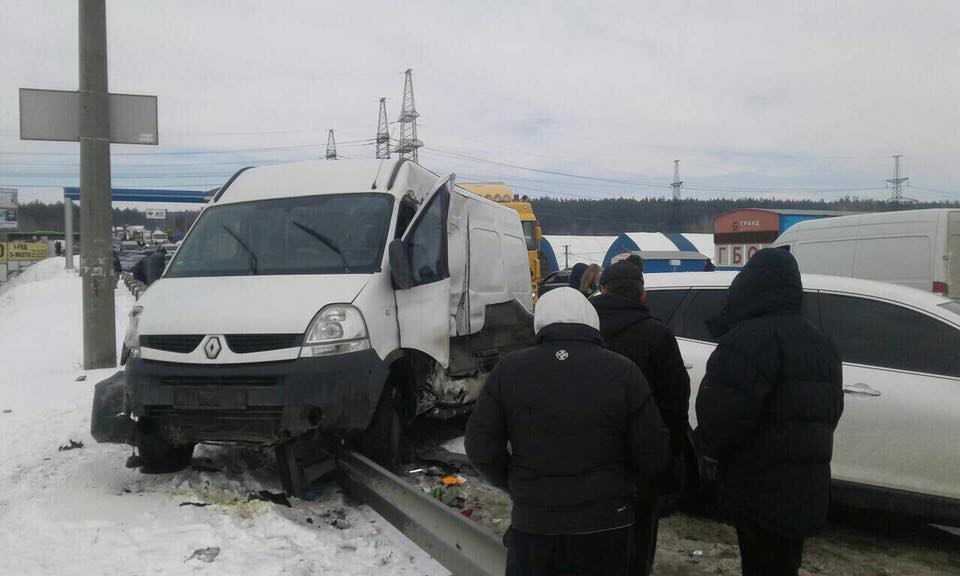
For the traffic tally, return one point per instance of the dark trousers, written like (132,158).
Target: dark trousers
(645,537)
(766,553)
(596,554)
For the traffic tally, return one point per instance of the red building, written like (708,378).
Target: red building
(738,234)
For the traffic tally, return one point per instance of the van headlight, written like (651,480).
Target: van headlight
(337,329)
(132,338)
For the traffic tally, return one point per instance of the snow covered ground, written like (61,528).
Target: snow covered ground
(81,511)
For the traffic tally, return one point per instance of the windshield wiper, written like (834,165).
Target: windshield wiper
(253,257)
(324,240)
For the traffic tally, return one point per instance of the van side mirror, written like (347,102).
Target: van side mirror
(400,266)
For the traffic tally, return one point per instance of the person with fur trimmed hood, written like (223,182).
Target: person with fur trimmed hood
(571,431)
(585,278)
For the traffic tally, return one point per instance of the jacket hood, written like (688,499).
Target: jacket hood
(618,313)
(769,284)
(564,306)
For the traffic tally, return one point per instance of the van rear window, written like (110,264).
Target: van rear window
(328,234)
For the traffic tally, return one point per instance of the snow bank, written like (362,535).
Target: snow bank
(82,512)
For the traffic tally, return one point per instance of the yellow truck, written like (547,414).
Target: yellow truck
(500,192)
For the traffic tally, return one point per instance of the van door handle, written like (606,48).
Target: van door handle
(688,365)
(860,389)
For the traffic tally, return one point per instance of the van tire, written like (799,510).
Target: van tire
(381,441)
(158,456)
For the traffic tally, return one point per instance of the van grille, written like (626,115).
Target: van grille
(246,343)
(220,380)
(239,343)
(180,343)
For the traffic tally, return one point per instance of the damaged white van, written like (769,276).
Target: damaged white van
(343,298)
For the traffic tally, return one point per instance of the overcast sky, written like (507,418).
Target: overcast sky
(788,99)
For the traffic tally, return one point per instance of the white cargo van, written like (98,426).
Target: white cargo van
(343,298)
(912,247)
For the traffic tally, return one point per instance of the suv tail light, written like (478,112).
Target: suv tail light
(940,288)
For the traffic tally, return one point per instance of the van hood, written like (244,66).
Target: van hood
(243,304)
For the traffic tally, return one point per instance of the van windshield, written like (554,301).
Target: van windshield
(328,234)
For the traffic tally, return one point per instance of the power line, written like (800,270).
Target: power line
(639,183)
(188,152)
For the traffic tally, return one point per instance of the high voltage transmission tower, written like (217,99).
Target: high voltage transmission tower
(331,147)
(677,183)
(897,181)
(383,132)
(407,148)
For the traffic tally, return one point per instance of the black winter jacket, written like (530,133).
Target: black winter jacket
(583,431)
(770,401)
(630,330)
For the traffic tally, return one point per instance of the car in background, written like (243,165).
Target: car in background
(554,280)
(896,445)
(128,260)
(916,248)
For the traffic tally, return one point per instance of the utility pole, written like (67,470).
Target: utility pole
(331,146)
(96,257)
(408,121)
(68,233)
(677,183)
(94,118)
(897,181)
(383,132)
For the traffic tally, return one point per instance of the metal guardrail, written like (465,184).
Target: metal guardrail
(135,286)
(460,544)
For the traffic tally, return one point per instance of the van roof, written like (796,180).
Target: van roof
(873,288)
(792,212)
(327,177)
(921,215)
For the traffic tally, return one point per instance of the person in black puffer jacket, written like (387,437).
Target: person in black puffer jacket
(767,408)
(583,433)
(629,329)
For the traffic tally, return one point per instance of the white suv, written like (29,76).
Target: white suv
(897,446)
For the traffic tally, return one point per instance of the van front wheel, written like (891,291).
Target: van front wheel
(381,441)
(158,456)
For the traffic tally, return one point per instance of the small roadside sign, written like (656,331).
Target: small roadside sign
(55,115)
(27,250)
(156,214)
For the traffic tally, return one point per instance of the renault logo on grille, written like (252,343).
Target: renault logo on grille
(212,347)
